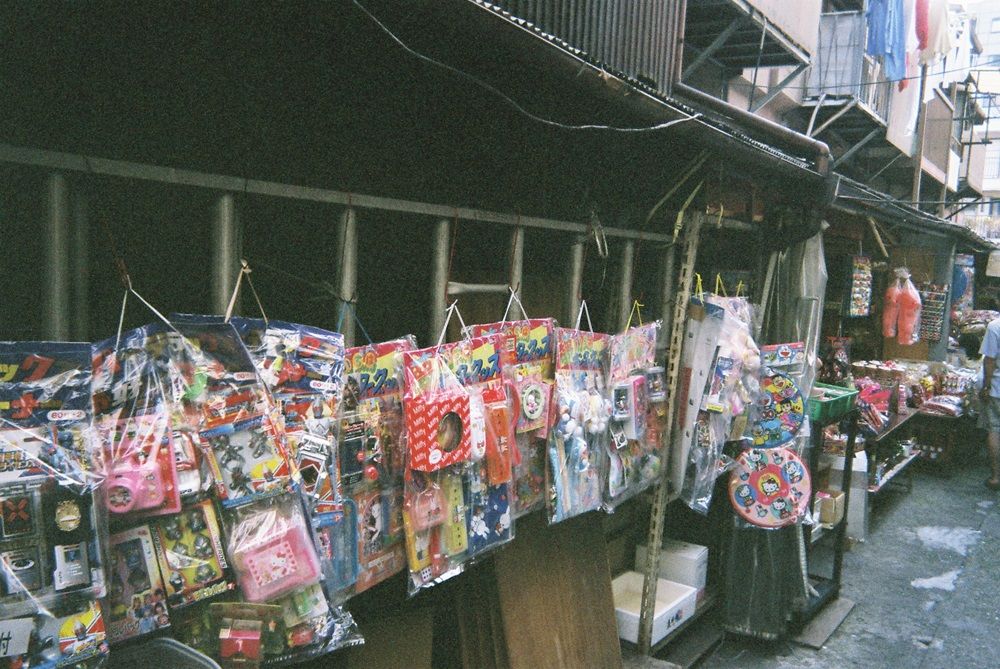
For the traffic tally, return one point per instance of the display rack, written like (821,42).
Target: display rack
(828,588)
(894,428)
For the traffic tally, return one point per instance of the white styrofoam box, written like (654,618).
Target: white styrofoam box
(857,509)
(675,603)
(679,561)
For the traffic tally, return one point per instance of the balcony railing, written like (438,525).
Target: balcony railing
(841,67)
(983,225)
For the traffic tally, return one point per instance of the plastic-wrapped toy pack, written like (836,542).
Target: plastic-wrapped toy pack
(459,457)
(373,448)
(527,354)
(53,523)
(638,408)
(238,423)
(577,447)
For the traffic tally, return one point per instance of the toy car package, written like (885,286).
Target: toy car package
(52,516)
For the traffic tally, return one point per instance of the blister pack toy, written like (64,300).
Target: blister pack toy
(459,457)
(635,450)
(372,450)
(190,553)
(52,515)
(527,357)
(137,601)
(577,457)
(71,634)
(238,424)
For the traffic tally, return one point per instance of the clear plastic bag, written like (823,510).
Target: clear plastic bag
(635,450)
(577,447)
(54,531)
(456,502)
(371,424)
(528,357)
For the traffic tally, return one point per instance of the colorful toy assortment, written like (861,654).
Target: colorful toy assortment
(527,354)
(780,411)
(770,488)
(635,447)
(578,441)
(460,443)
(52,518)
(373,444)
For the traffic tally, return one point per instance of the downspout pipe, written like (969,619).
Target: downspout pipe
(742,116)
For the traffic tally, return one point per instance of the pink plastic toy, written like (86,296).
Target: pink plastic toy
(273,553)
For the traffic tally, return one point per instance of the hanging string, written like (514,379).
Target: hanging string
(121,317)
(699,289)
(679,223)
(348,305)
(452,309)
(579,316)
(244,271)
(739,288)
(513,298)
(720,286)
(637,310)
(513,246)
(451,255)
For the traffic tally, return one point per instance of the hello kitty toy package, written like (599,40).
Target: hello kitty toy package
(527,355)
(578,439)
(638,409)
(459,435)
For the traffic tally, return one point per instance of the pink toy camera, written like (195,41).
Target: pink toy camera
(134,486)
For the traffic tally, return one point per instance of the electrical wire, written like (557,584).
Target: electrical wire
(510,101)
(877,81)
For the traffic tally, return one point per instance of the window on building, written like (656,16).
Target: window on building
(995,25)
(992,167)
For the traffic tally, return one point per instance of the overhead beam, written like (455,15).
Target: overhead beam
(774,92)
(833,119)
(857,147)
(712,48)
(57,160)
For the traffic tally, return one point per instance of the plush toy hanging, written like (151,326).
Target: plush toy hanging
(901,313)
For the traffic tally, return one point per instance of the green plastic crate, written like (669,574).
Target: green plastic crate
(838,402)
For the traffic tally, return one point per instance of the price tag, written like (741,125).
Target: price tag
(14,636)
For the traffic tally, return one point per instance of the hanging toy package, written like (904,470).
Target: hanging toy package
(267,428)
(527,356)
(54,519)
(638,409)
(901,310)
(578,440)
(373,447)
(458,470)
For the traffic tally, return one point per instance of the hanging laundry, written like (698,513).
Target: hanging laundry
(922,23)
(938,41)
(887,36)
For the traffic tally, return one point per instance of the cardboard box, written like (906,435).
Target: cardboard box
(680,562)
(675,603)
(831,507)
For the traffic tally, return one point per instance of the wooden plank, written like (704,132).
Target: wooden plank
(554,588)
(692,646)
(820,628)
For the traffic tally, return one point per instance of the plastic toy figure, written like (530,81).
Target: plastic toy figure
(195,521)
(205,573)
(172,528)
(181,549)
(176,581)
(203,547)
(259,444)
(230,452)
(239,482)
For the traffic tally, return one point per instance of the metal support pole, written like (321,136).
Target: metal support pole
(857,147)
(225,252)
(80,267)
(517,270)
(668,293)
(712,48)
(774,92)
(348,268)
(575,279)
(918,153)
(56,323)
(439,279)
(661,495)
(625,287)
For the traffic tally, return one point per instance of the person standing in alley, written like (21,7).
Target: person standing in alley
(990,394)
